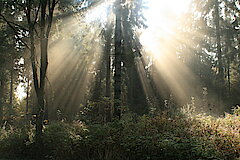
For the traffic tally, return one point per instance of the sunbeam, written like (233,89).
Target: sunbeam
(74,60)
(160,43)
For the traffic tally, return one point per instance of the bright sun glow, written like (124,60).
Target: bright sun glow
(20,92)
(162,12)
(160,40)
(162,21)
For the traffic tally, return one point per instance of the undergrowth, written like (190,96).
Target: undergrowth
(165,136)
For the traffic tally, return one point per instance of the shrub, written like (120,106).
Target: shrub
(13,142)
(175,137)
(57,141)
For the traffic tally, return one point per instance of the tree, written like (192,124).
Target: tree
(8,55)
(107,49)
(129,16)
(31,14)
(117,59)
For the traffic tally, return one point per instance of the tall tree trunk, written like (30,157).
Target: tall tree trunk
(219,52)
(130,82)
(108,74)
(33,58)
(27,99)
(136,77)
(229,77)
(11,89)
(48,99)
(228,56)
(108,58)
(39,80)
(117,63)
(43,70)
(1,100)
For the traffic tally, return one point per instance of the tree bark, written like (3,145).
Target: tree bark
(33,63)
(11,88)
(108,59)
(39,80)
(229,77)
(218,35)
(117,63)
(1,100)
(43,70)
(219,52)
(27,99)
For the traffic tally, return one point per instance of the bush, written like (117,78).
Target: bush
(176,137)
(13,142)
(57,141)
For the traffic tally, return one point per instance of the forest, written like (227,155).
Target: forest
(119,80)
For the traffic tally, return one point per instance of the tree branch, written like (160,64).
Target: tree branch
(51,10)
(21,5)
(21,27)
(36,16)
(13,23)
(15,31)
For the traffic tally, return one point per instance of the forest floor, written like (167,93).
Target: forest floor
(164,136)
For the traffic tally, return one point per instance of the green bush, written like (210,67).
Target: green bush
(179,136)
(13,143)
(57,141)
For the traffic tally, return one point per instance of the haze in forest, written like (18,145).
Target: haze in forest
(76,50)
(119,79)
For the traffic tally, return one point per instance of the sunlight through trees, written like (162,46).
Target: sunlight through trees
(116,62)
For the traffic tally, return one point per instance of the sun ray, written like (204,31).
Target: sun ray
(74,57)
(161,41)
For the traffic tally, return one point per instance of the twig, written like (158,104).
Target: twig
(16,32)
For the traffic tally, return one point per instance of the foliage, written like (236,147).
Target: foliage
(13,140)
(96,111)
(212,57)
(164,136)
(56,141)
